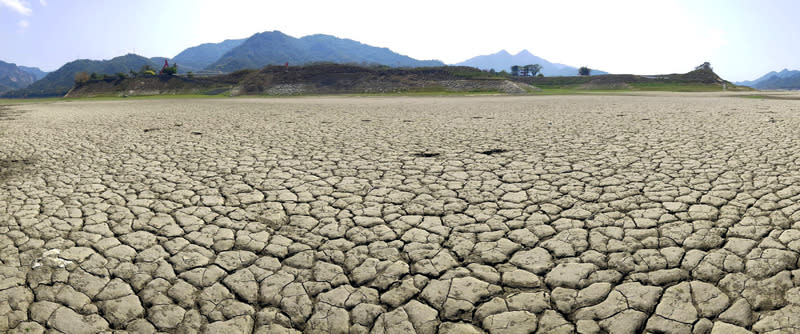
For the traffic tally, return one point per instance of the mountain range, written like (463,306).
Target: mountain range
(37,73)
(257,51)
(276,48)
(197,58)
(784,79)
(16,77)
(60,81)
(502,61)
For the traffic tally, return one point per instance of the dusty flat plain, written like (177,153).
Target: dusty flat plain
(663,213)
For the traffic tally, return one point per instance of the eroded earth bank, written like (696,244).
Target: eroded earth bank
(564,214)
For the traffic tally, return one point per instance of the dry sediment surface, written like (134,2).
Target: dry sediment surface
(591,214)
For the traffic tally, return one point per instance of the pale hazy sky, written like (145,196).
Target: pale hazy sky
(742,39)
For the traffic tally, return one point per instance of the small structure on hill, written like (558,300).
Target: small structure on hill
(705,66)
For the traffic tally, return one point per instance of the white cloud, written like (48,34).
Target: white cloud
(23,24)
(43,3)
(17,5)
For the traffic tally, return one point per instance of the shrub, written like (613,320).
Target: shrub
(81,77)
(170,70)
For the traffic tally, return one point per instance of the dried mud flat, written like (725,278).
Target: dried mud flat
(664,213)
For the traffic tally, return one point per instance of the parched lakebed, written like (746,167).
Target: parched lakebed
(666,213)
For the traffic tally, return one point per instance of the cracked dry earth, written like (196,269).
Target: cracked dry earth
(570,214)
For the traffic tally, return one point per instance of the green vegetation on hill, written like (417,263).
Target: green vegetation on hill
(58,82)
(330,78)
(694,81)
(321,78)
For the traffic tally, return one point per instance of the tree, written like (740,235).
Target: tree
(81,77)
(515,70)
(532,70)
(170,70)
(584,70)
(94,76)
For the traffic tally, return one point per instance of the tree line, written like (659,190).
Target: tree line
(526,70)
(146,70)
(534,70)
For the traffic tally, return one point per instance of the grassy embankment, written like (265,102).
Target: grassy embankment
(343,80)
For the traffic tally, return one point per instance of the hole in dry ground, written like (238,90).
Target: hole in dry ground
(494,151)
(9,167)
(426,154)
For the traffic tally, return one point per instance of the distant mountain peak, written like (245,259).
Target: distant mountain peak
(275,47)
(785,79)
(502,61)
(12,77)
(525,52)
(198,57)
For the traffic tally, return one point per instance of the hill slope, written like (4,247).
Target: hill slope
(349,79)
(785,79)
(58,82)
(502,61)
(700,80)
(310,79)
(35,71)
(13,77)
(274,47)
(200,56)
